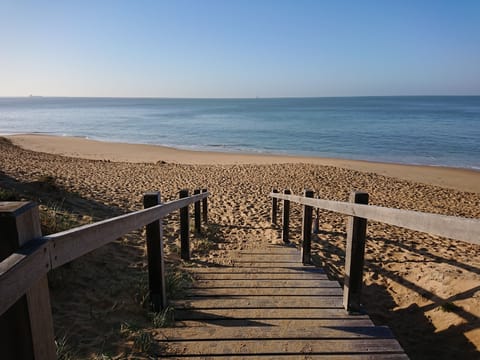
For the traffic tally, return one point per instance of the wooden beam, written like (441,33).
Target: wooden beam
(205,208)
(354,255)
(286,217)
(26,328)
(274,207)
(184,228)
(156,266)
(453,227)
(20,271)
(197,215)
(307,230)
(71,244)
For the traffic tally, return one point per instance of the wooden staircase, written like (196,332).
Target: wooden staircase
(267,305)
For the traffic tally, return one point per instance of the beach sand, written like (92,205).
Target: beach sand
(425,288)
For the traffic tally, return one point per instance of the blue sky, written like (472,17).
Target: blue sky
(239,48)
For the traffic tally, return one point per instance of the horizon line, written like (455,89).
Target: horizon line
(224,98)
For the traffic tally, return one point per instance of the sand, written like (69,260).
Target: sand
(459,179)
(425,288)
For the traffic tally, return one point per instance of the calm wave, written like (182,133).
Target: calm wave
(415,130)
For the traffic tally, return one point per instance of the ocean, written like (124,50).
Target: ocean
(426,130)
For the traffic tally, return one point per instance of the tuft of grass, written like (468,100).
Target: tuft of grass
(63,349)
(141,292)
(8,195)
(207,240)
(55,219)
(177,282)
(203,245)
(142,340)
(102,357)
(164,318)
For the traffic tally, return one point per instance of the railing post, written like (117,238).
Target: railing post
(205,208)
(156,266)
(354,256)
(198,224)
(286,217)
(316,224)
(307,230)
(26,329)
(184,229)
(274,208)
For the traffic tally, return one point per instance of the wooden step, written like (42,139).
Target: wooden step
(231,323)
(298,269)
(265,291)
(275,332)
(260,302)
(270,306)
(302,347)
(266,284)
(301,313)
(370,356)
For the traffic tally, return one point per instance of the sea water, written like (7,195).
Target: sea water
(428,130)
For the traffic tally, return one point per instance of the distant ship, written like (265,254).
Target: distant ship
(35,96)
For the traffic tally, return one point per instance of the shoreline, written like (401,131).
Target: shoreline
(455,178)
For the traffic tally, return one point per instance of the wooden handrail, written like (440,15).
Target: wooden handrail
(22,268)
(453,227)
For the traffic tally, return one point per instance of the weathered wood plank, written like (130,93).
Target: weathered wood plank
(184,228)
(270,249)
(266,284)
(244,270)
(20,271)
(354,256)
(261,276)
(337,313)
(453,227)
(291,346)
(381,356)
(71,244)
(269,306)
(272,264)
(213,292)
(156,265)
(269,332)
(266,258)
(263,302)
(26,327)
(284,323)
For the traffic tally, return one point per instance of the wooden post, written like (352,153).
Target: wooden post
(316,224)
(205,208)
(156,266)
(274,208)
(198,224)
(307,230)
(184,229)
(355,250)
(26,329)
(286,217)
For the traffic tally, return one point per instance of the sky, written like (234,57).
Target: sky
(239,48)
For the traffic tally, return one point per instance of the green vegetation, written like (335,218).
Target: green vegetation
(164,318)
(177,281)
(142,339)
(63,349)
(8,195)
